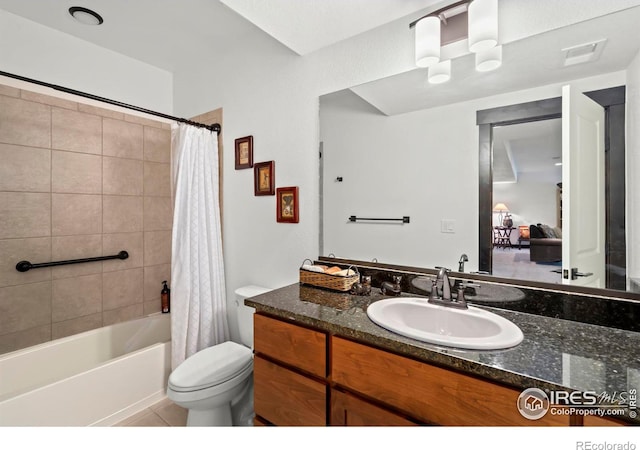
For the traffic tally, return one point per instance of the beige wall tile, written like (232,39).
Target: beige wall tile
(75,326)
(9,91)
(122,288)
(157,145)
(23,339)
(122,214)
(76,214)
(122,139)
(153,278)
(104,112)
(112,244)
(25,168)
(122,176)
(157,247)
(122,314)
(24,215)
(34,250)
(143,121)
(76,131)
(158,214)
(25,306)
(157,179)
(76,173)
(24,123)
(49,100)
(76,297)
(76,247)
(151,307)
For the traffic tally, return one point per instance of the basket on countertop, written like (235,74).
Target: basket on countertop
(327,280)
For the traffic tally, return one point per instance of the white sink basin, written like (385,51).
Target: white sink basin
(472,328)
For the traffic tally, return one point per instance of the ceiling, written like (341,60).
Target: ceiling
(158,31)
(530,148)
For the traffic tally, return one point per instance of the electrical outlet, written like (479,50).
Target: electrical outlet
(447,226)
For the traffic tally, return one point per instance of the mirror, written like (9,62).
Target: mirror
(398,148)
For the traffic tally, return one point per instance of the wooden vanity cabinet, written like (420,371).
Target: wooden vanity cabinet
(307,377)
(290,371)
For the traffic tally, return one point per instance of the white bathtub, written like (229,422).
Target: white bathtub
(98,377)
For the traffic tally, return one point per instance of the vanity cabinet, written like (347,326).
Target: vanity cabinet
(290,371)
(309,377)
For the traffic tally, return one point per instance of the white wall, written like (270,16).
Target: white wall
(34,51)
(633,167)
(424,165)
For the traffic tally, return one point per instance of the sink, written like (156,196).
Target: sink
(473,328)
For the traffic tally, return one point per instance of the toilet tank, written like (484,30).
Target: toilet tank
(245,313)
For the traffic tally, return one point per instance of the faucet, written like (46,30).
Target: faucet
(463,259)
(446,299)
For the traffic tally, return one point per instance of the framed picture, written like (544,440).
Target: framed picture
(264,178)
(244,152)
(287,204)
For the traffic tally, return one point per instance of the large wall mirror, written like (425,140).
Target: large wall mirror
(406,158)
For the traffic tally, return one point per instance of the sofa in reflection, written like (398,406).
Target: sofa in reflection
(544,244)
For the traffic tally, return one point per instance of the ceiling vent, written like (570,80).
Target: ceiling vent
(583,53)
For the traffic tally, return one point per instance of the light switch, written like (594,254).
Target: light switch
(447,226)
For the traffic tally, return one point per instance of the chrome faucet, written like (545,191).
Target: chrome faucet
(446,299)
(463,259)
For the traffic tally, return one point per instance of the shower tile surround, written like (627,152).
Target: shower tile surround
(79,181)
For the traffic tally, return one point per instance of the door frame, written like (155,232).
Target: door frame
(613,102)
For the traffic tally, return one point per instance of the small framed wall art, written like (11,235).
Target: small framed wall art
(287,204)
(264,178)
(244,152)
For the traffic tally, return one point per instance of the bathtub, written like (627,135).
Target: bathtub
(98,377)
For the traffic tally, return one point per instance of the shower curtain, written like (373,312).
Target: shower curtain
(198,296)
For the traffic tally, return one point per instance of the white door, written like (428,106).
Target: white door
(583,189)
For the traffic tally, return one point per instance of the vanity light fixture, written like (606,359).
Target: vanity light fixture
(474,20)
(483,25)
(85,15)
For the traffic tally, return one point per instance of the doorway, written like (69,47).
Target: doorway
(613,101)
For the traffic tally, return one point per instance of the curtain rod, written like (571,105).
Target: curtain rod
(214,127)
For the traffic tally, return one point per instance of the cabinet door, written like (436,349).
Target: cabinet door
(431,394)
(348,410)
(286,398)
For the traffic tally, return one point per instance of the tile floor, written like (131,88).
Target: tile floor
(165,413)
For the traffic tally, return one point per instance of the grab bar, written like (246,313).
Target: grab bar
(24,266)
(404,219)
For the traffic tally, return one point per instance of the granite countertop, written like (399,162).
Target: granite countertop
(555,354)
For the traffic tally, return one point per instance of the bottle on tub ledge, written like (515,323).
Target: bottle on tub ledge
(165,296)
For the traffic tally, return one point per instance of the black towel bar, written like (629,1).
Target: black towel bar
(24,266)
(404,219)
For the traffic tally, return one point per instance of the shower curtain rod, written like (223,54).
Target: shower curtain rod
(213,127)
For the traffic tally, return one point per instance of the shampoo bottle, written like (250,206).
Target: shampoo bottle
(165,296)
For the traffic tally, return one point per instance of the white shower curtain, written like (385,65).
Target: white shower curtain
(198,296)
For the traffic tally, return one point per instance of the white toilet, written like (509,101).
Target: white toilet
(216,384)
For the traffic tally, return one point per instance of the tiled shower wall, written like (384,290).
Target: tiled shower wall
(78,181)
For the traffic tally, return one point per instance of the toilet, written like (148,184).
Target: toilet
(215,384)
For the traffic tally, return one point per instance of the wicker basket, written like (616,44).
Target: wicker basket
(328,281)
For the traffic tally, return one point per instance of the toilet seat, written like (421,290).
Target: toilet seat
(210,367)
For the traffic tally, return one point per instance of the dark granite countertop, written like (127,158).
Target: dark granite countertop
(555,354)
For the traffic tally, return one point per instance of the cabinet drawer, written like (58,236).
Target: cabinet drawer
(428,393)
(287,398)
(300,347)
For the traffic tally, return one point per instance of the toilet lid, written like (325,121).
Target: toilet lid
(211,366)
